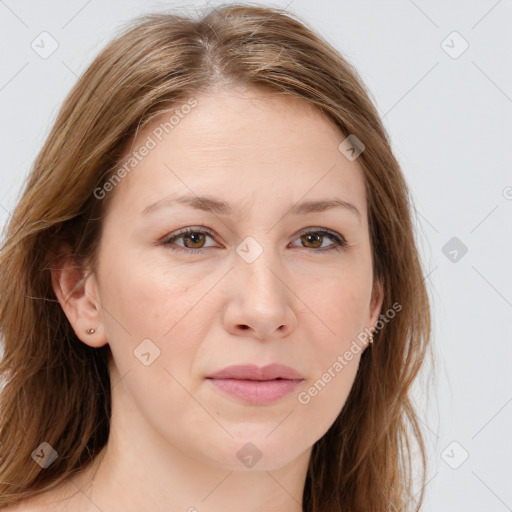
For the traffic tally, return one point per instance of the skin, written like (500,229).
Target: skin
(174,437)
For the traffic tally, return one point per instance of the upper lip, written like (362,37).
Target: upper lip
(253,372)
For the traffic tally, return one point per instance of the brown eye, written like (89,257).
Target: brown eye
(313,239)
(196,240)
(193,240)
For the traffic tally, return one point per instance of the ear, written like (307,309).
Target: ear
(77,292)
(376,301)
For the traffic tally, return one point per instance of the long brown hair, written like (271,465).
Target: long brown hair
(57,389)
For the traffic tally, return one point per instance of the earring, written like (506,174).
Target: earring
(371,338)
(90,331)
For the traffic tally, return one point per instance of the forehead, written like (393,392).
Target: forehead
(240,143)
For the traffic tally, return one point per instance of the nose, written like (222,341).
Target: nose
(260,303)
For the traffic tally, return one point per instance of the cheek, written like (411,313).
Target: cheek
(323,398)
(152,328)
(141,303)
(336,314)
(340,315)
(339,309)
(150,300)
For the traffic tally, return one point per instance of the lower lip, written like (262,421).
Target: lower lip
(257,392)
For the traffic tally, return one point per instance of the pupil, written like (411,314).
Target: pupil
(311,239)
(194,237)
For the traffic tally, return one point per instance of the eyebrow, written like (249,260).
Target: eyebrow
(210,204)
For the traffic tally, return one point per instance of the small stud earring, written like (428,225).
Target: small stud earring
(90,331)
(371,338)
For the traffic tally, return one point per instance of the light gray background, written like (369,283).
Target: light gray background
(449,120)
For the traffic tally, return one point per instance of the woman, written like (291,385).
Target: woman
(211,294)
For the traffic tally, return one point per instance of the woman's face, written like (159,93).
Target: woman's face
(257,282)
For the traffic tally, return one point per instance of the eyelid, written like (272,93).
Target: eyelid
(185,231)
(318,229)
(339,241)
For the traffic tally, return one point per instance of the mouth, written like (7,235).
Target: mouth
(258,373)
(256,392)
(257,385)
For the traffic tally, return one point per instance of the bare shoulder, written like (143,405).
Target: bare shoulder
(68,496)
(60,499)
(35,504)
(25,505)
(22,506)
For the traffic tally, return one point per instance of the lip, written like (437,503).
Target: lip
(257,385)
(253,372)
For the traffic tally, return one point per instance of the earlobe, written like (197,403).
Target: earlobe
(76,291)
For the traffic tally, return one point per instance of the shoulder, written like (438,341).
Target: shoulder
(69,495)
(55,500)
(25,505)
(34,504)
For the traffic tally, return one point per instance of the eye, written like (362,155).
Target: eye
(316,239)
(194,240)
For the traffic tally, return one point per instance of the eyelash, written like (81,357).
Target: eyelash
(339,241)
